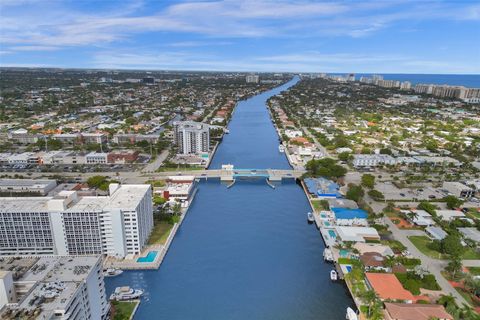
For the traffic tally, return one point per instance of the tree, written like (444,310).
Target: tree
(452,202)
(368,180)
(427,206)
(355,192)
(326,167)
(344,156)
(454,266)
(452,245)
(96,181)
(385,151)
(376,195)
(369,297)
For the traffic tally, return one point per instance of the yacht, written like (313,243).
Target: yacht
(310,217)
(333,275)
(281,148)
(112,272)
(351,315)
(126,293)
(226,131)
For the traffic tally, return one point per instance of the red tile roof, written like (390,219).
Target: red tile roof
(402,311)
(387,286)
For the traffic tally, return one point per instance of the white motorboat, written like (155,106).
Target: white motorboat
(333,275)
(226,131)
(281,148)
(327,255)
(351,315)
(310,217)
(126,293)
(111,272)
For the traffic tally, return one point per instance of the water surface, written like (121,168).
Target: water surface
(246,252)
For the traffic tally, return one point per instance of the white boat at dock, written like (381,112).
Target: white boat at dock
(226,131)
(126,293)
(310,217)
(112,272)
(333,275)
(281,148)
(351,315)
(327,255)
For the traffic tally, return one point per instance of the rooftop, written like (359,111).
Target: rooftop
(49,282)
(387,286)
(402,311)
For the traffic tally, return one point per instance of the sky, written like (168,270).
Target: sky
(389,36)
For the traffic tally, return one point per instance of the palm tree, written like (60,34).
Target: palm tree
(369,297)
(389,261)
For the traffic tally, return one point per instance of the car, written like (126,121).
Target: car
(432,196)
(402,194)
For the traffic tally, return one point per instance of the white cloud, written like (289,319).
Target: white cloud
(53,23)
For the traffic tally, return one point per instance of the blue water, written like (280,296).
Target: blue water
(467,80)
(246,252)
(150,257)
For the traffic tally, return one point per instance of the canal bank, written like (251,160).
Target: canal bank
(246,251)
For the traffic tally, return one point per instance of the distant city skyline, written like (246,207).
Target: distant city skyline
(398,36)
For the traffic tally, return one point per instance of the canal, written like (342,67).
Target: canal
(246,252)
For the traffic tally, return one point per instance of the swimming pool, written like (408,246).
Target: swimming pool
(327,223)
(323,215)
(332,234)
(349,268)
(150,257)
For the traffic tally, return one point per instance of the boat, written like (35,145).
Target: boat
(333,275)
(281,148)
(351,315)
(226,131)
(111,272)
(310,217)
(327,255)
(126,293)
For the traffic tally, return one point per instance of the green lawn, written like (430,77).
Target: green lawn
(122,310)
(421,243)
(470,254)
(474,271)
(160,233)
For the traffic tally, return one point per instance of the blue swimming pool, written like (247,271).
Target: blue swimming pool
(332,234)
(150,257)
(349,268)
(327,223)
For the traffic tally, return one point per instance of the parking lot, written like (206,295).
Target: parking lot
(391,192)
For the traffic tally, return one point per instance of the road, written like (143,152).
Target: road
(321,148)
(154,165)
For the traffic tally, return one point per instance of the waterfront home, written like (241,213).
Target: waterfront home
(373,247)
(388,287)
(435,233)
(178,188)
(350,217)
(402,311)
(322,188)
(373,261)
(357,234)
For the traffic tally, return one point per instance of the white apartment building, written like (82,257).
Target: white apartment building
(372,160)
(116,225)
(96,158)
(53,288)
(42,187)
(252,78)
(191,137)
